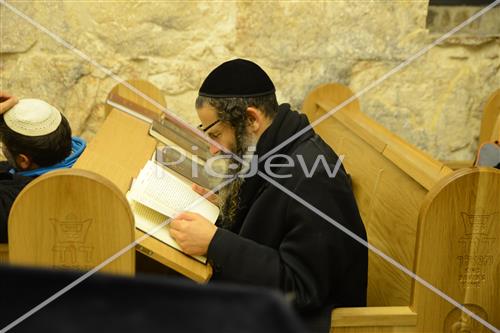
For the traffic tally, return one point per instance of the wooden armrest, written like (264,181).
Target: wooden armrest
(374,316)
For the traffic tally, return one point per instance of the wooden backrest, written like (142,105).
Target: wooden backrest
(490,123)
(390,180)
(458,252)
(71,219)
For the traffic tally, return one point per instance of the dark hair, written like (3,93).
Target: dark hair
(229,108)
(44,150)
(232,110)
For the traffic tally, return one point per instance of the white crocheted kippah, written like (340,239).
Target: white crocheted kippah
(33,117)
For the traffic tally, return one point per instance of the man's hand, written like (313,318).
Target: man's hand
(7,101)
(193,233)
(213,198)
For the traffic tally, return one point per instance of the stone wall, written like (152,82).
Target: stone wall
(434,103)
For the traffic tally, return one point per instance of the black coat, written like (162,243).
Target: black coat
(10,186)
(277,242)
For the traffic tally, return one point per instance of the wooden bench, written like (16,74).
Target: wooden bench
(390,181)
(457,253)
(421,214)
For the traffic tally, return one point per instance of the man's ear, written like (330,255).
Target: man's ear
(24,162)
(255,119)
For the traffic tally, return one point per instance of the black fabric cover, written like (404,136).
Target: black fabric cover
(105,303)
(237,78)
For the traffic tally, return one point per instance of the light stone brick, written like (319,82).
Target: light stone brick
(435,103)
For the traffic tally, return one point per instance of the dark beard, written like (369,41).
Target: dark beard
(229,195)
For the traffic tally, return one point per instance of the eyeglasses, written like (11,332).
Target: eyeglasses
(200,126)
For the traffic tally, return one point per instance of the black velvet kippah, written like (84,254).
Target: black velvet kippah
(237,78)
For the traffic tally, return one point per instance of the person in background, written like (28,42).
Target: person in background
(35,139)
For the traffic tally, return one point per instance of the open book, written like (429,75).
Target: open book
(157,195)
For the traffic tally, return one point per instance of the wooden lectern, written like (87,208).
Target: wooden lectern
(120,150)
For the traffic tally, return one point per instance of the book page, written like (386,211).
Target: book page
(146,219)
(159,189)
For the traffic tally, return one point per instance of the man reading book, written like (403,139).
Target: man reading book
(264,237)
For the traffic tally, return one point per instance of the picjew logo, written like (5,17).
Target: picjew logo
(276,166)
